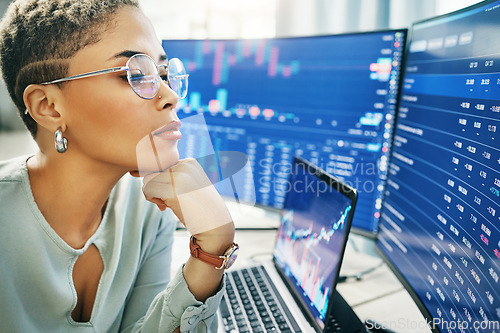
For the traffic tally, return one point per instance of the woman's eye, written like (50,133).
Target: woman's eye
(124,77)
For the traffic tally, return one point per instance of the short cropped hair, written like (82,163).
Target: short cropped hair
(38,37)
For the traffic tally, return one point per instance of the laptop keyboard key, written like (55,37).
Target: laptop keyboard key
(270,328)
(280,319)
(283,326)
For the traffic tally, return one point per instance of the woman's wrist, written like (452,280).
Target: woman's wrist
(216,241)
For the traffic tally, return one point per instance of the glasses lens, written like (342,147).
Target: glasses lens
(177,77)
(143,76)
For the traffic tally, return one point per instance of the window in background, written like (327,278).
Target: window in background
(446,6)
(320,17)
(200,19)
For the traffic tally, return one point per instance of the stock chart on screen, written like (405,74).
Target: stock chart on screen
(440,224)
(328,99)
(303,245)
(312,236)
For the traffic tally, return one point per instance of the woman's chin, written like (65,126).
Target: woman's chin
(156,155)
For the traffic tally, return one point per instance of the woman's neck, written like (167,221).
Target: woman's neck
(71,193)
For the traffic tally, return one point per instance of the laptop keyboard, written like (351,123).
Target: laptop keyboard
(252,304)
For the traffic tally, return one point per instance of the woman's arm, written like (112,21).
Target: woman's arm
(194,294)
(174,305)
(204,279)
(186,189)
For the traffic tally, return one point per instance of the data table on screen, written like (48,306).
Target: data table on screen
(440,224)
(328,99)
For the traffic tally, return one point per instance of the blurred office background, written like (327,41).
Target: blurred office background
(199,19)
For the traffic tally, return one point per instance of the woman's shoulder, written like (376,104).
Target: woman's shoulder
(13,170)
(13,198)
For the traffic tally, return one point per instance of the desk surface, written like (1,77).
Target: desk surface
(378,295)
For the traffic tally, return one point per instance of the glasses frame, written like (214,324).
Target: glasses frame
(123,68)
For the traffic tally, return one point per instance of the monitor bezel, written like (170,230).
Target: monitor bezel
(450,14)
(349,33)
(374,234)
(352,195)
(378,246)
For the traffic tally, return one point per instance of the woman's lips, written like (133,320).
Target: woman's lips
(170,131)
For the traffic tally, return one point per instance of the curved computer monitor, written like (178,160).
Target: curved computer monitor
(329,99)
(440,223)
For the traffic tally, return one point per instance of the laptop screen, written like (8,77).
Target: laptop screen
(316,220)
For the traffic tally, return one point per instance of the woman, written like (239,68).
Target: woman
(82,250)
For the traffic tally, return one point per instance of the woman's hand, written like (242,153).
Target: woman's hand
(186,189)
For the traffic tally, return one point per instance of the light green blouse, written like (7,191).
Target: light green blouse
(135,242)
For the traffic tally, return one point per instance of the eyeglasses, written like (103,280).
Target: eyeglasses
(144,75)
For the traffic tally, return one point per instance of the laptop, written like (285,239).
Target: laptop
(295,292)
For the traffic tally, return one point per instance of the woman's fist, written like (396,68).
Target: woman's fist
(186,189)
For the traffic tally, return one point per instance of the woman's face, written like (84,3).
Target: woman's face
(105,118)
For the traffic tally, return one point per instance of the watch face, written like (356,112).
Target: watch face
(232,257)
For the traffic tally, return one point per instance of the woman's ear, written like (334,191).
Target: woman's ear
(42,103)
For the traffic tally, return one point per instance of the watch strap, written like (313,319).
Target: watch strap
(214,260)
